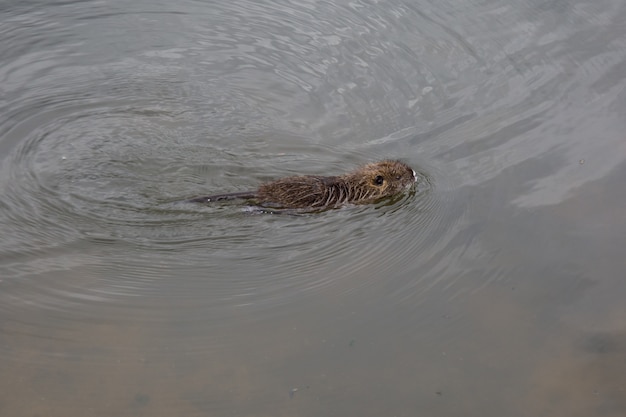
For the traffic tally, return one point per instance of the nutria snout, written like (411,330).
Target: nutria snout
(366,184)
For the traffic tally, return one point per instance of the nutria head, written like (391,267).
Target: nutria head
(380,179)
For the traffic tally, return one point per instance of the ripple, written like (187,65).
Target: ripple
(99,153)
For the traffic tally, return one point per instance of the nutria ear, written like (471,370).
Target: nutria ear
(379,180)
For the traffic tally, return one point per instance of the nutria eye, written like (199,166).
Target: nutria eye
(379,180)
(398,177)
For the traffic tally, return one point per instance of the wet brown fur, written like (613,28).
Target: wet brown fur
(366,184)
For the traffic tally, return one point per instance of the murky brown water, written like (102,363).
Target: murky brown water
(495,289)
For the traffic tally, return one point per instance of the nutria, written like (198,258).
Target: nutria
(366,184)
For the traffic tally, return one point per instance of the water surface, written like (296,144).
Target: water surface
(495,288)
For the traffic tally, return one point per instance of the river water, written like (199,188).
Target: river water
(495,288)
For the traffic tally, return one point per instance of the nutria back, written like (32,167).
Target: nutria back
(366,184)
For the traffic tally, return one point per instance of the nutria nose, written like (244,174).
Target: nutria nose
(414,175)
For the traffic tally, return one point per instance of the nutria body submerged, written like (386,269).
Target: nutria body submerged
(366,184)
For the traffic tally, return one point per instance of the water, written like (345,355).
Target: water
(496,288)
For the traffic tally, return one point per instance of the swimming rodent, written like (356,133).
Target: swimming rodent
(366,184)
